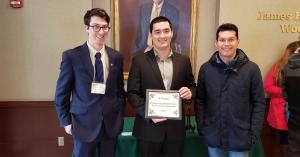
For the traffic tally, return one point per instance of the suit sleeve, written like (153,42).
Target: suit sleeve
(121,91)
(258,103)
(200,100)
(190,82)
(63,91)
(134,89)
(139,42)
(175,23)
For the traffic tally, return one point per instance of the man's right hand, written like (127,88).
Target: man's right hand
(68,129)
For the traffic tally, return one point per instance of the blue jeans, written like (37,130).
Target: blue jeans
(218,152)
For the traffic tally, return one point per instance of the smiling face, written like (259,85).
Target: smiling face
(227,44)
(97,39)
(162,35)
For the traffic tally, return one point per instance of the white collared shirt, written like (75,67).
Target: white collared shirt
(104,59)
(166,69)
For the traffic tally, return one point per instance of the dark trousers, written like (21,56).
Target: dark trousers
(165,148)
(294,139)
(102,146)
(283,137)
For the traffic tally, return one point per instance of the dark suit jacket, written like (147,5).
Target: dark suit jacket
(145,74)
(167,10)
(76,105)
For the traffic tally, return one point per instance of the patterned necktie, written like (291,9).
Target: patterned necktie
(154,15)
(98,68)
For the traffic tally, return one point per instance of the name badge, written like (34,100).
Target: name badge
(98,88)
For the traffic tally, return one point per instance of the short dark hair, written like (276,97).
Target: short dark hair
(160,19)
(227,27)
(95,12)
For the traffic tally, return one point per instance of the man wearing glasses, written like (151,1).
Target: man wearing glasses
(90,94)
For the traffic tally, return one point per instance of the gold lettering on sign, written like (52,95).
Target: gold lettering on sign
(274,16)
(295,29)
(297,15)
(285,28)
(286,17)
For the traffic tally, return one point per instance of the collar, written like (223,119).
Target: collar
(230,63)
(94,51)
(229,66)
(218,59)
(157,57)
(160,5)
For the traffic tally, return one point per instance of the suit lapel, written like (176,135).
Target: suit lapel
(164,9)
(148,12)
(111,61)
(176,67)
(152,61)
(86,59)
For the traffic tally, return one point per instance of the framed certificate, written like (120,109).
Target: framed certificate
(163,104)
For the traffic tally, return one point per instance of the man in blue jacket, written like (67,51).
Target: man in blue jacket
(230,98)
(90,94)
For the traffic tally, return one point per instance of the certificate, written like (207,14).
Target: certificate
(163,104)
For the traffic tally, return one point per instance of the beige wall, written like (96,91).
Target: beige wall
(32,39)
(208,22)
(262,40)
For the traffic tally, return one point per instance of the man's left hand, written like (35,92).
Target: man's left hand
(185,93)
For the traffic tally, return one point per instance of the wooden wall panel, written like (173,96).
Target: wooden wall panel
(30,129)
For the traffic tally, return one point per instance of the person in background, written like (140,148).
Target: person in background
(90,96)
(147,12)
(230,99)
(160,68)
(291,91)
(277,118)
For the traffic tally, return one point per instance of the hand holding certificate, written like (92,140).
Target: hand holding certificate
(163,104)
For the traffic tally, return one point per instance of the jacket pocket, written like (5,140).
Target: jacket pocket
(208,121)
(239,135)
(78,110)
(211,132)
(241,124)
(209,124)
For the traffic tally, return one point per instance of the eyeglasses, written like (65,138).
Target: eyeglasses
(97,28)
